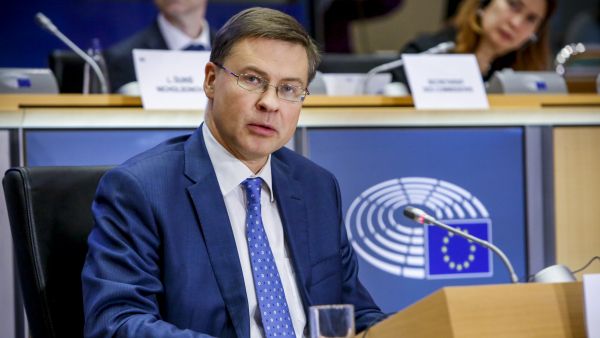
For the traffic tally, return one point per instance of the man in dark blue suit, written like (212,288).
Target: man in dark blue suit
(181,25)
(225,232)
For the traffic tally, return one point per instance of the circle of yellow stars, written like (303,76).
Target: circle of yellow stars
(458,266)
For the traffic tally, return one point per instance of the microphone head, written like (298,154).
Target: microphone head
(409,212)
(44,22)
(416,215)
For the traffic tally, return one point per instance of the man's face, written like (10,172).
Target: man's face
(176,8)
(252,125)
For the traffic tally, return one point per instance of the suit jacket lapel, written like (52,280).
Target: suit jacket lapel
(292,209)
(216,228)
(154,38)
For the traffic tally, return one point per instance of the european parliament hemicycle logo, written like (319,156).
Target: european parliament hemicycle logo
(383,237)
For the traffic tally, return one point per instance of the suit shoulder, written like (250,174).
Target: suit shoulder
(300,164)
(162,155)
(147,38)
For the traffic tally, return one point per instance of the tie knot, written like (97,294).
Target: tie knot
(252,186)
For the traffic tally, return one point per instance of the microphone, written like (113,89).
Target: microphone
(422,217)
(440,48)
(46,24)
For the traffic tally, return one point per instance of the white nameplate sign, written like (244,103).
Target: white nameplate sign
(450,81)
(171,79)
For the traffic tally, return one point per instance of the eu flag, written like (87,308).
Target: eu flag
(452,256)
(23,82)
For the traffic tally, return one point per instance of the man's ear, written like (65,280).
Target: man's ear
(209,79)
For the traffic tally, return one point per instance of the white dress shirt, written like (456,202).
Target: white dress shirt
(231,172)
(177,39)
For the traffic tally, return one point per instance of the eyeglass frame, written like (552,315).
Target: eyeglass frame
(305,91)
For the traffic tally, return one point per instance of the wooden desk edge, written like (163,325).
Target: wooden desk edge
(13,102)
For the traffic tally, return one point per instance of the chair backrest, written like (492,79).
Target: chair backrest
(68,70)
(49,210)
(353,63)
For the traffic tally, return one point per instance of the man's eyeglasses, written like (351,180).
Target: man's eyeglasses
(255,83)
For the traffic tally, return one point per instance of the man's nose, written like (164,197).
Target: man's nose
(269,101)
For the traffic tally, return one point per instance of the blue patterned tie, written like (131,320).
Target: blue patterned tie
(273,307)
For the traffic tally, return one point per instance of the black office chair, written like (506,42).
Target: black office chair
(50,219)
(68,70)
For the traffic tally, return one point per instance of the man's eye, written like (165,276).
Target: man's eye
(252,79)
(288,88)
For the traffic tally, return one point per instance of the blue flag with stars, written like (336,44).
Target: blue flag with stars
(452,256)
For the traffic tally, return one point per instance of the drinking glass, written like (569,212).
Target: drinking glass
(332,321)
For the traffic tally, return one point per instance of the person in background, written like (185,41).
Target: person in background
(225,232)
(181,25)
(501,34)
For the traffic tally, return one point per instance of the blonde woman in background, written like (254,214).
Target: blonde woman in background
(501,34)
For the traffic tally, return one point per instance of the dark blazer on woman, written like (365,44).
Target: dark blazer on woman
(427,41)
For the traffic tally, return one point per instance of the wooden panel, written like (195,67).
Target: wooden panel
(10,102)
(507,310)
(581,84)
(428,317)
(577,196)
(518,310)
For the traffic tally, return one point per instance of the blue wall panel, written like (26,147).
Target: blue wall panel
(90,147)
(471,177)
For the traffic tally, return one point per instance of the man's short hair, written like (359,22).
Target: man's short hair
(265,23)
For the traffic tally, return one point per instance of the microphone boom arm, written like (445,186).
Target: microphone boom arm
(485,244)
(48,25)
(380,69)
(443,47)
(421,217)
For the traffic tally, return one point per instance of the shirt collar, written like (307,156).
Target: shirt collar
(230,171)
(176,39)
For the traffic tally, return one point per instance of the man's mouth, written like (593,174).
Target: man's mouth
(262,129)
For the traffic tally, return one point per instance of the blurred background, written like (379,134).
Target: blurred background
(342,26)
